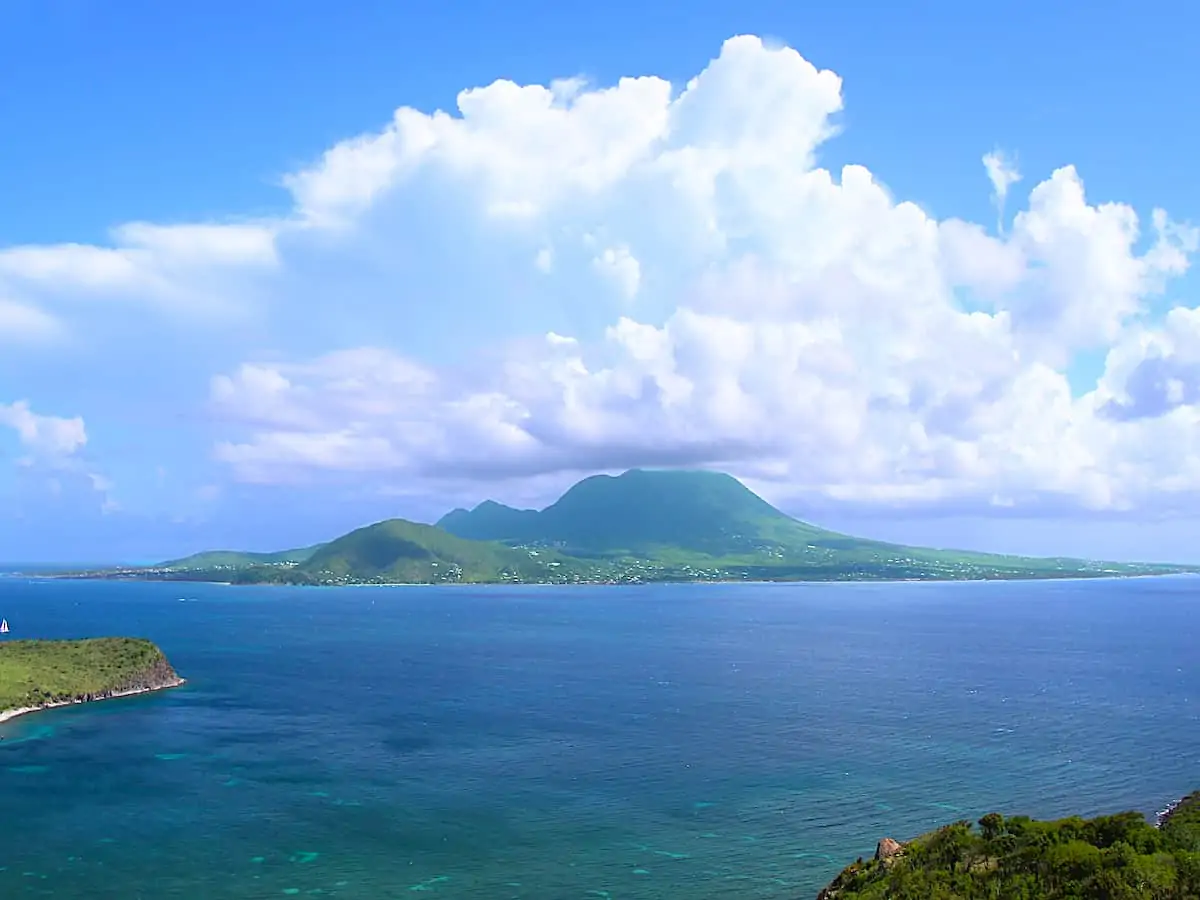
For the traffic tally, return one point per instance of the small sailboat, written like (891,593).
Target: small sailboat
(3,626)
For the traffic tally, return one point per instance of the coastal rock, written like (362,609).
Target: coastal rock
(161,674)
(887,849)
(886,852)
(1185,806)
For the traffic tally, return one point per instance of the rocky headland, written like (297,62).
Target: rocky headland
(37,675)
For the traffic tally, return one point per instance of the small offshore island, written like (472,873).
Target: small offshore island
(1116,857)
(640,527)
(42,674)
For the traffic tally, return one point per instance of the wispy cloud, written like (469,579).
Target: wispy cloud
(1002,173)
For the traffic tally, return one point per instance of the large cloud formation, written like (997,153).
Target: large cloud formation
(761,313)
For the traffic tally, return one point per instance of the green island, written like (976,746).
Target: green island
(641,526)
(40,674)
(1115,857)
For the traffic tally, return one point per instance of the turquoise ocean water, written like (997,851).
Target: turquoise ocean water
(542,743)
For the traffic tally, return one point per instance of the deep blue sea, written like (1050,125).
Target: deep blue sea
(542,743)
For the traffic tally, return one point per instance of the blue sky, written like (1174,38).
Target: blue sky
(243,302)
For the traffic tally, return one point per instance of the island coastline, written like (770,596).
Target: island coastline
(10,714)
(1022,577)
(641,527)
(40,674)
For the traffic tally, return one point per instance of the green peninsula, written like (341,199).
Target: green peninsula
(1116,857)
(641,526)
(41,674)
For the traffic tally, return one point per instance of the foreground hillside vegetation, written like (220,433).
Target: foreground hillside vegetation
(637,527)
(41,673)
(1118,857)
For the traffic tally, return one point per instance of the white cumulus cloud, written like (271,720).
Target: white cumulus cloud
(812,332)
(51,436)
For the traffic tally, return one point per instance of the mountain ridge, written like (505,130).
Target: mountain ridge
(694,509)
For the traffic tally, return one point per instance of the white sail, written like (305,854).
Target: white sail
(3,626)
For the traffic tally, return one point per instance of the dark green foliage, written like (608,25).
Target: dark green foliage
(706,512)
(492,521)
(1109,857)
(37,672)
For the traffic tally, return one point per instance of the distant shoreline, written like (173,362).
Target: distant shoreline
(1074,576)
(9,714)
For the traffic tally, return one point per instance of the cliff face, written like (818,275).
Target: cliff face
(158,675)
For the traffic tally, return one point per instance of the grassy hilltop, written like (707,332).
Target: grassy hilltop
(40,673)
(1119,857)
(639,526)
(397,551)
(215,559)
